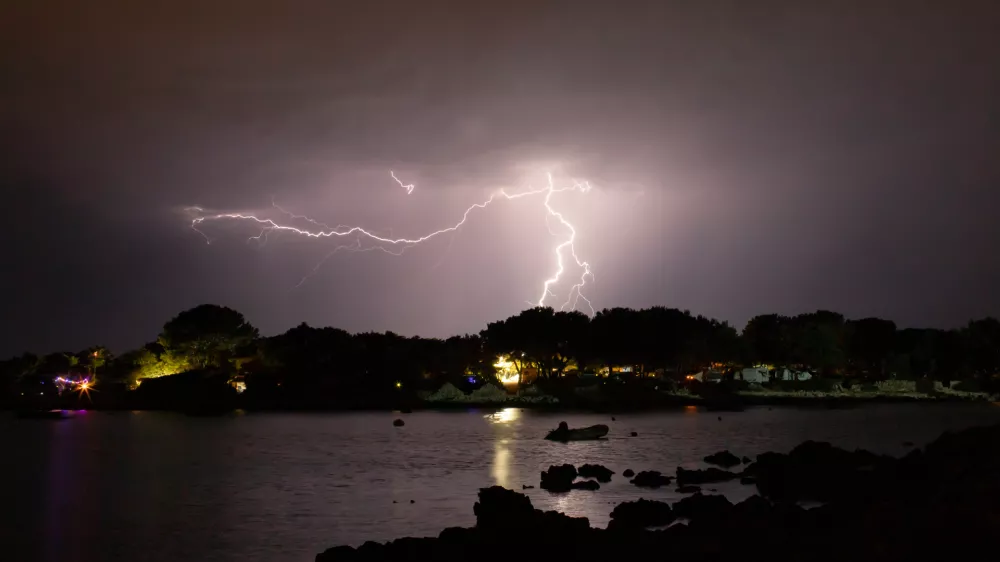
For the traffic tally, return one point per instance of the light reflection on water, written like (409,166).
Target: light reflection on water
(501,471)
(282,487)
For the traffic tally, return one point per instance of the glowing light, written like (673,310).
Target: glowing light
(503,363)
(505,371)
(399,384)
(506,415)
(564,251)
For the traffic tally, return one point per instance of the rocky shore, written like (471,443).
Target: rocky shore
(936,503)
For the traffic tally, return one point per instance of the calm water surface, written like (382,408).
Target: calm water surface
(282,487)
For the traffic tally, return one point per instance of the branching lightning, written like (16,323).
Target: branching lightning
(396,246)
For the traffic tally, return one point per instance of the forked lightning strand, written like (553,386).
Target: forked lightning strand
(408,186)
(397,246)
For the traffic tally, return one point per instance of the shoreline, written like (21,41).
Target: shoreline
(734,403)
(934,503)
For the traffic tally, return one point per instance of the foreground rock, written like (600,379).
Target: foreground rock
(641,514)
(933,504)
(560,478)
(700,506)
(650,479)
(815,471)
(599,472)
(725,459)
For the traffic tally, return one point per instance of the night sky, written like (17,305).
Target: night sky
(746,158)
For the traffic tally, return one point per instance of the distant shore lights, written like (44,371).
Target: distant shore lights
(507,371)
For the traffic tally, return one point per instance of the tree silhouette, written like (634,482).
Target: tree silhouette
(207,335)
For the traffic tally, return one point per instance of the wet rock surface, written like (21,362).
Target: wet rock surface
(933,504)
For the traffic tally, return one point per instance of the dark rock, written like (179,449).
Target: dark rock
(634,434)
(413,501)
(613,418)
(700,506)
(558,478)
(398,423)
(724,459)
(640,514)
(526,487)
(628,473)
(720,418)
(814,471)
(600,472)
(585,485)
(746,460)
(650,479)
(500,508)
(932,504)
(689,489)
(707,476)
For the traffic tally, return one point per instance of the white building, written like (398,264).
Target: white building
(762,374)
(755,375)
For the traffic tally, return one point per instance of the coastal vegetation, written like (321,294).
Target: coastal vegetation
(212,355)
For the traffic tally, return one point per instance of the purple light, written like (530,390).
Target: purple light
(472,380)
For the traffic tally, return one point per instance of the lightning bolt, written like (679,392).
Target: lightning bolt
(396,246)
(408,187)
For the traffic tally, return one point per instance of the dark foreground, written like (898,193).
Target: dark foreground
(933,504)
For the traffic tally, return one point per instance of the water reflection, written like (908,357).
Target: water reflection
(501,463)
(506,415)
(504,431)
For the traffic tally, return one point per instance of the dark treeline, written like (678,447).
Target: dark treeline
(211,350)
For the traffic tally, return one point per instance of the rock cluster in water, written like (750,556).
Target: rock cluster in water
(561,478)
(938,503)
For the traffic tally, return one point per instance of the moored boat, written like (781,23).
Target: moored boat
(564,433)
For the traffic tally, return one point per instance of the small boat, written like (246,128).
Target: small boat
(41,414)
(563,433)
